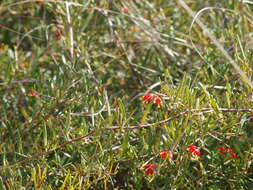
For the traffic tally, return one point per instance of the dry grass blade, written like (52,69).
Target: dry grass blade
(216,42)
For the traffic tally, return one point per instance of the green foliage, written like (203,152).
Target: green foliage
(72,74)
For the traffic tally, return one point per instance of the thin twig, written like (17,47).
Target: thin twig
(230,135)
(48,152)
(200,112)
(18,81)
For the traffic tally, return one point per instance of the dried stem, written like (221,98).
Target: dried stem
(70,30)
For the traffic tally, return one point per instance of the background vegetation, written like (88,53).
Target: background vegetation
(71,77)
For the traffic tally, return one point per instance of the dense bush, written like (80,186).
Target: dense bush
(100,94)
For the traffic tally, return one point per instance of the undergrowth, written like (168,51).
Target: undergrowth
(125,95)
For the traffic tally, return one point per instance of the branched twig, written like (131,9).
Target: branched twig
(196,112)
(48,152)
(230,135)
(200,112)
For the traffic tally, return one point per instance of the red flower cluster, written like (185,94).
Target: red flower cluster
(194,150)
(149,169)
(165,155)
(32,93)
(151,98)
(224,151)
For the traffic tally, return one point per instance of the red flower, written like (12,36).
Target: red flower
(125,9)
(194,150)
(232,154)
(32,93)
(148,98)
(165,155)
(157,101)
(223,151)
(58,35)
(149,169)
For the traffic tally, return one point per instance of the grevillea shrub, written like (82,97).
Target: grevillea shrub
(126,94)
